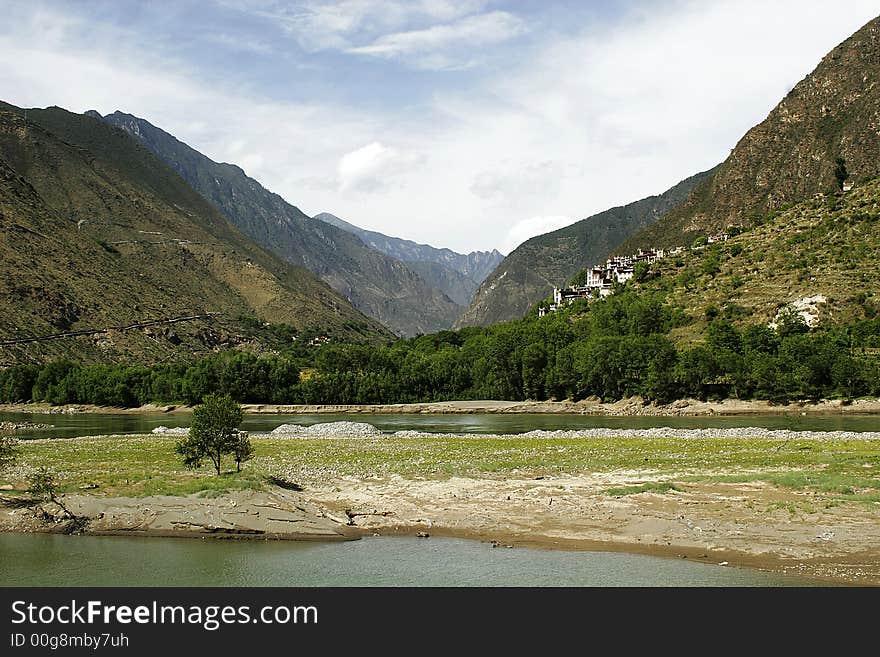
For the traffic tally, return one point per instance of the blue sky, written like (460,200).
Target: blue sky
(462,123)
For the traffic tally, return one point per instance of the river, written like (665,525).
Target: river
(85,424)
(54,560)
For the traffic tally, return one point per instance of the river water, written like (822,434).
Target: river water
(52,560)
(84,424)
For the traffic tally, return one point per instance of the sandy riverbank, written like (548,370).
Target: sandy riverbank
(626,407)
(753,525)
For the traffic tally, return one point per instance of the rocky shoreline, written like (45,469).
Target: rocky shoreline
(23,426)
(633,406)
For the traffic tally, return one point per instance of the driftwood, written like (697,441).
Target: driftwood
(352,515)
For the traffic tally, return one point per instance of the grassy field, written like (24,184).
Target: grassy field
(838,471)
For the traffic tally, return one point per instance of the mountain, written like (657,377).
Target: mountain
(457,275)
(96,233)
(379,286)
(832,113)
(818,257)
(531,270)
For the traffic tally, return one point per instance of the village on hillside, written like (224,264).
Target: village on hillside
(599,280)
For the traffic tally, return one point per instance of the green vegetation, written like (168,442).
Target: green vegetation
(42,487)
(695,326)
(213,433)
(831,471)
(615,348)
(649,487)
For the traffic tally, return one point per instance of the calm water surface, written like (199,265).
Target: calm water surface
(82,424)
(47,560)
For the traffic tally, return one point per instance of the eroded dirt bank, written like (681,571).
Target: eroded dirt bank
(275,514)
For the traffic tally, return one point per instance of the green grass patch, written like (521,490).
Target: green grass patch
(140,465)
(649,487)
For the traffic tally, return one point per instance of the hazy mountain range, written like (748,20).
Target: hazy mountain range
(457,275)
(96,232)
(110,220)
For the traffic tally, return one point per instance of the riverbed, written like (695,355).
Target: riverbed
(69,425)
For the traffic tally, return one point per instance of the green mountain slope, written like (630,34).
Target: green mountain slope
(96,233)
(818,258)
(531,271)
(457,274)
(832,113)
(380,286)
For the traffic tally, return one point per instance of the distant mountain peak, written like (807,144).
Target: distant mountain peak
(476,265)
(380,286)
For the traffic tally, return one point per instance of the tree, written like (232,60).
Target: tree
(212,432)
(534,362)
(579,279)
(243,449)
(790,322)
(840,172)
(44,488)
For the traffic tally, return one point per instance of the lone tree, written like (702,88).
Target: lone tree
(44,489)
(840,172)
(213,433)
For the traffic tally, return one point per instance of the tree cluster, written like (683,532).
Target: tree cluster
(614,348)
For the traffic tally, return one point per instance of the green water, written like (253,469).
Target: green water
(50,560)
(81,424)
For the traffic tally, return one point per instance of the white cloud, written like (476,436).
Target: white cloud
(236,42)
(324,25)
(372,167)
(482,29)
(599,118)
(527,228)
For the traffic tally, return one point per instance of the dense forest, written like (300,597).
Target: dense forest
(615,348)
